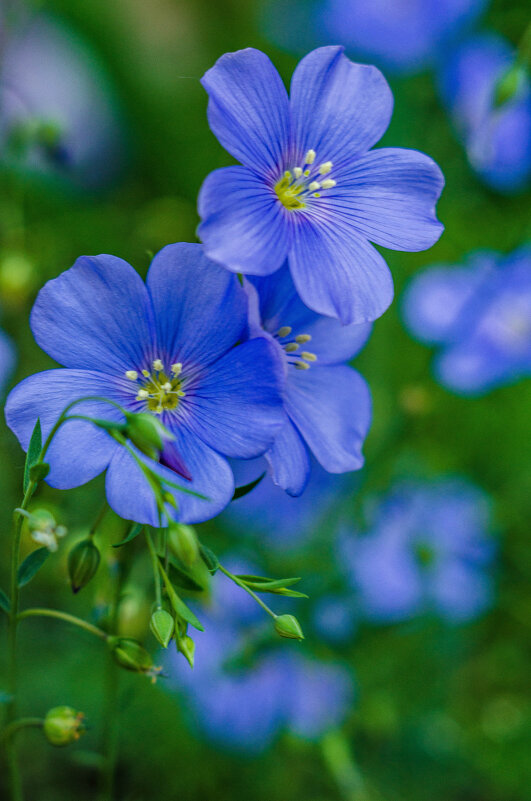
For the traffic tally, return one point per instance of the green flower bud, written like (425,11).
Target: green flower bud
(509,85)
(147,433)
(183,543)
(63,725)
(83,562)
(162,626)
(186,646)
(288,626)
(132,656)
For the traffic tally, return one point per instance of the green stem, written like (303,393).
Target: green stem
(156,569)
(341,765)
(58,615)
(95,526)
(22,723)
(244,586)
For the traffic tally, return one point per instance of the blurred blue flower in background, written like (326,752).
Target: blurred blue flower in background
(7,359)
(426,549)
(328,403)
(311,189)
(242,695)
(401,36)
(166,347)
(58,114)
(496,135)
(480,314)
(334,618)
(271,515)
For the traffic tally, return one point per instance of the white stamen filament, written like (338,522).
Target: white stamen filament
(142,394)
(176,368)
(297,172)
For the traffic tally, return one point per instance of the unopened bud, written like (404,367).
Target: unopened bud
(509,85)
(63,725)
(147,433)
(132,656)
(83,562)
(162,626)
(288,626)
(186,646)
(183,543)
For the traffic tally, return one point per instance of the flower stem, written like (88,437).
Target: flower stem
(56,613)
(244,586)
(156,570)
(338,758)
(22,723)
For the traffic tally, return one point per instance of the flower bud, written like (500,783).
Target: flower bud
(63,725)
(83,562)
(509,85)
(183,543)
(147,433)
(186,646)
(288,626)
(162,626)
(132,656)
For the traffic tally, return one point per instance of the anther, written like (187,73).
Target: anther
(157,365)
(284,331)
(328,183)
(306,172)
(287,175)
(132,375)
(309,158)
(310,357)
(297,172)
(145,373)
(142,394)
(302,338)
(291,348)
(176,368)
(302,366)
(315,185)
(325,167)
(166,387)
(180,393)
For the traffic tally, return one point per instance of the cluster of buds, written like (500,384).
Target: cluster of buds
(63,725)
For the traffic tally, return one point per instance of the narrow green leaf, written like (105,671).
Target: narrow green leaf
(290,593)
(5,603)
(183,579)
(31,565)
(240,492)
(134,531)
(209,558)
(34,451)
(263,584)
(179,607)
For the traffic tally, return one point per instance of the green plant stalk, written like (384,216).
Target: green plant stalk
(338,758)
(58,615)
(17,725)
(156,571)
(244,586)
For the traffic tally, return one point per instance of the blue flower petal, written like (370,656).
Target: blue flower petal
(190,296)
(95,316)
(244,227)
(338,273)
(79,451)
(389,196)
(248,108)
(289,461)
(237,404)
(331,407)
(339,109)
(129,494)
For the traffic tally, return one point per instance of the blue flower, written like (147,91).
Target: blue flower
(167,347)
(327,403)
(481,316)
(58,115)
(243,704)
(7,359)
(426,548)
(497,138)
(311,191)
(272,515)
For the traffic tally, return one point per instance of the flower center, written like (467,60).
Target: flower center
(300,359)
(301,183)
(160,389)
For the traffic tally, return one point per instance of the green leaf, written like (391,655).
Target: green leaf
(134,531)
(264,584)
(5,603)
(209,558)
(31,565)
(183,579)
(240,492)
(290,593)
(34,451)
(179,607)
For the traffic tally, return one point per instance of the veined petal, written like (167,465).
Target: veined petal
(389,197)
(131,497)
(79,451)
(331,407)
(289,460)
(95,316)
(339,109)
(338,273)
(237,403)
(200,308)
(243,225)
(248,108)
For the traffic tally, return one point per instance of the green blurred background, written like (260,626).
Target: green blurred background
(443,713)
